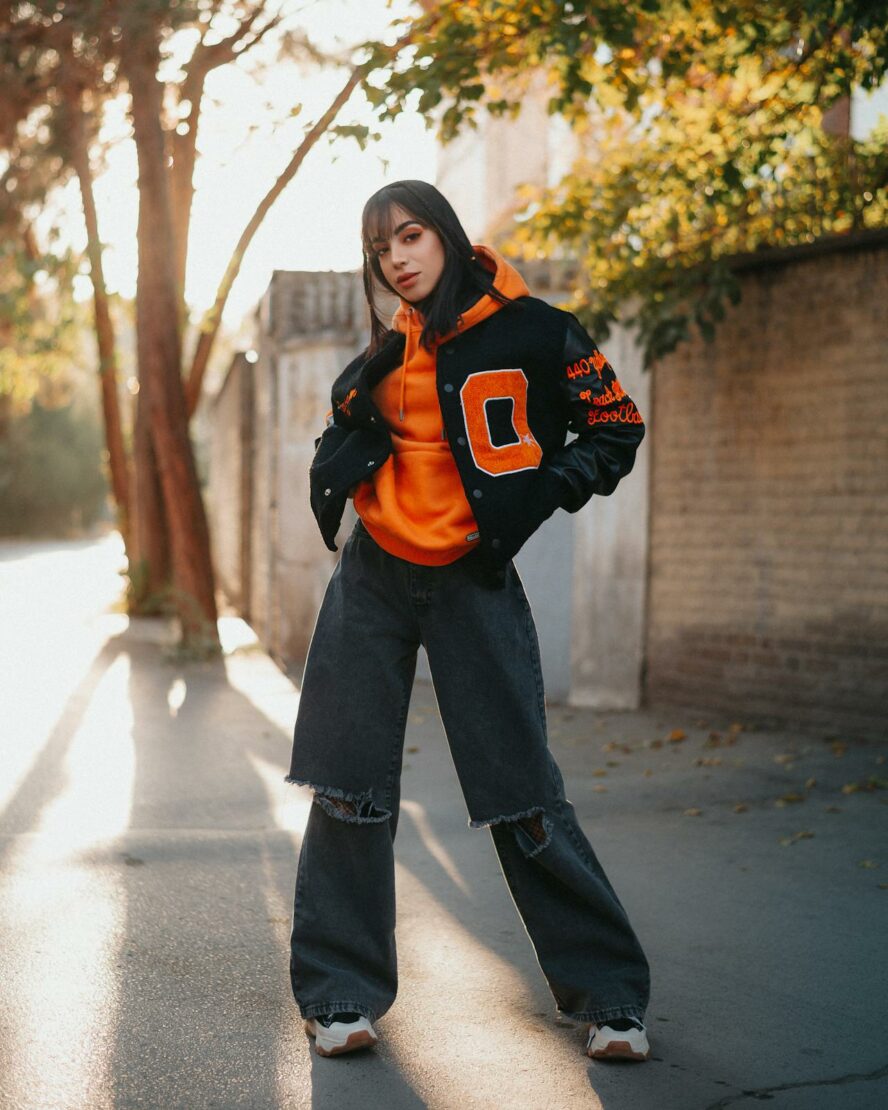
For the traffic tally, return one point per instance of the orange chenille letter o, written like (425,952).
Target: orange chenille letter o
(490,385)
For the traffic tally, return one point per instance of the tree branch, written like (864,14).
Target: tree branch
(213,318)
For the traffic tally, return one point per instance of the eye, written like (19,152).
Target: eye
(381,251)
(411,235)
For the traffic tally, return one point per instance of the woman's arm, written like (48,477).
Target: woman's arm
(608,426)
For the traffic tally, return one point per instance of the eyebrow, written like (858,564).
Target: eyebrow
(399,229)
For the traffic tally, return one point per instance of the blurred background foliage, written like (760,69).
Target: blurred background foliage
(52,481)
(704,129)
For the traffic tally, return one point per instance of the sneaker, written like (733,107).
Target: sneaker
(619,1038)
(340,1032)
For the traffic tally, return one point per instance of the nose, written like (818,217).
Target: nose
(398,256)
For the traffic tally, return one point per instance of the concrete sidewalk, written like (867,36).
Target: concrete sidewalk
(148,848)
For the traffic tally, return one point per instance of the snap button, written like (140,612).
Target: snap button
(327,492)
(370,463)
(476,493)
(448,388)
(461,440)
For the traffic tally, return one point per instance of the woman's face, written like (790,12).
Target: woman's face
(412,260)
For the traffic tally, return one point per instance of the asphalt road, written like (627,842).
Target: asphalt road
(148,847)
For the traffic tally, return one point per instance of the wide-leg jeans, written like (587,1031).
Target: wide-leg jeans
(483,655)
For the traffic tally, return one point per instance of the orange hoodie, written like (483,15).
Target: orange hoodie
(414,505)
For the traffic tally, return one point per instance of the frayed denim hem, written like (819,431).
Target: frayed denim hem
(318,1009)
(602,1016)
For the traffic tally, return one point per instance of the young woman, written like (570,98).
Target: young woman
(449,433)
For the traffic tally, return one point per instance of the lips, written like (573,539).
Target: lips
(406,279)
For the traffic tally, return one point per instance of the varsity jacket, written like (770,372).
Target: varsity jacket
(510,389)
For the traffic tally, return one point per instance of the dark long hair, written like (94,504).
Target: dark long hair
(463,280)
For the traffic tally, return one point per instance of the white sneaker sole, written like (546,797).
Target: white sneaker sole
(341,1036)
(611,1044)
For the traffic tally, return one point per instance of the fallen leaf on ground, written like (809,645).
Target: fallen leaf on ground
(868,864)
(790,798)
(803,834)
(850,787)
(677,735)
(599,772)
(655,743)
(707,761)
(741,807)
(839,749)
(413,748)
(784,757)
(810,784)
(647,772)
(832,809)
(733,732)
(599,788)
(693,812)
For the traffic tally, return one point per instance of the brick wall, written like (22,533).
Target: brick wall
(768,588)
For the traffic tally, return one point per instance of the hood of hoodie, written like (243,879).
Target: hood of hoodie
(409,320)
(505,277)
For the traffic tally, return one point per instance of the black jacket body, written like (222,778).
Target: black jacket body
(564,385)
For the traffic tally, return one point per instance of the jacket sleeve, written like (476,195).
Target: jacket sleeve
(608,426)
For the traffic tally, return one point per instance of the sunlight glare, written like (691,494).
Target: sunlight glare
(63,897)
(433,845)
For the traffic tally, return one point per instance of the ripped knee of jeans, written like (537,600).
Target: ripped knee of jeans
(532,829)
(353,809)
(345,805)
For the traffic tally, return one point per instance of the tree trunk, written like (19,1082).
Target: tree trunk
(149,561)
(159,354)
(121,479)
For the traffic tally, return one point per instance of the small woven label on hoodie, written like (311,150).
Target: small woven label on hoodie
(473,535)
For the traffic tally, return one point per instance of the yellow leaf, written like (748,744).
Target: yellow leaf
(676,736)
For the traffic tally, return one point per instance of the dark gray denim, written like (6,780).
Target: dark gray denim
(483,654)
